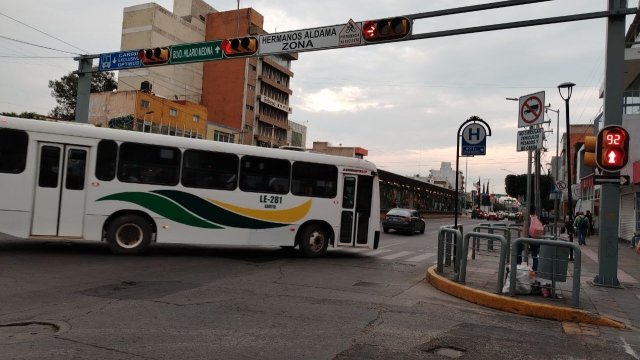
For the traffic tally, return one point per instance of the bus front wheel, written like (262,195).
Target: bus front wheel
(314,241)
(129,235)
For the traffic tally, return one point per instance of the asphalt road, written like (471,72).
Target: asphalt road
(77,301)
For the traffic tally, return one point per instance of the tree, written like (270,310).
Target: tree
(25,115)
(516,185)
(65,91)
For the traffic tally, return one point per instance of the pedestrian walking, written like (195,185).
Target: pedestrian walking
(589,217)
(581,223)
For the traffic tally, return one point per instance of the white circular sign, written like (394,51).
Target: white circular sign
(474,134)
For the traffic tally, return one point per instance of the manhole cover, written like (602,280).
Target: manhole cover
(28,330)
(451,353)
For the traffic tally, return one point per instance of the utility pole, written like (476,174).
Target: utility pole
(610,194)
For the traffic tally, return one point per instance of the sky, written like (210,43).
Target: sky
(402,101)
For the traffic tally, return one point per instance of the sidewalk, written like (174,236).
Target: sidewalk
(615,307)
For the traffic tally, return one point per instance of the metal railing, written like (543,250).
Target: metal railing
(448,239)
(504,249)
(556,244)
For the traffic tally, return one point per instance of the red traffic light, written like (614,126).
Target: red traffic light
(612,148)
(386,29)
(243,46)
(155,56)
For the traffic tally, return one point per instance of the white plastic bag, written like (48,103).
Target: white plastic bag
(523,281)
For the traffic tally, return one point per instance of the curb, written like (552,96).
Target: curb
(517,306)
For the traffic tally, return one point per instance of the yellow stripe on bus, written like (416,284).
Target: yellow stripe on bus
(284,216)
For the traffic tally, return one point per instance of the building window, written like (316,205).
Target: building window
(173,112)
(145,104)
(631,99)
(196,118)
(250,107)
(252,67)
(222,136)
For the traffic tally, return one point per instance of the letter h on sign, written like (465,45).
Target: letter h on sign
(473,134)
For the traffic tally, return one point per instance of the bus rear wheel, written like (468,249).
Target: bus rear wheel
(129,235)
(314,241)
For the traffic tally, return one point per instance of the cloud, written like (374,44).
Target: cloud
(336,99)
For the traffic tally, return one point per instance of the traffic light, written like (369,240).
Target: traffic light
(612,150)
(155,56)
(243,46)
(386,29)
(590,151)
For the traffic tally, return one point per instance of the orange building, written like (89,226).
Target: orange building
(143,111)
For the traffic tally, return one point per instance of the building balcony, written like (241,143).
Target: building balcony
(273,122)
(269,140)
(267,60)
(275,83)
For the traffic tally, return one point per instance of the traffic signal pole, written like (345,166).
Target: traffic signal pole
(85,65)
(610,193)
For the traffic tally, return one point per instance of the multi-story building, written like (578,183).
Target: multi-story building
(448,175)
(151,25)
(248,94)
(247,99)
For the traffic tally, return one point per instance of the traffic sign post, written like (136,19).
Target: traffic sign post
(196,52)
(473,137)
(531,109)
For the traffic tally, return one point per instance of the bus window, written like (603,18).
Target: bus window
(316,180)
(13,151)
(76,163)
(148,164)
(209,170)
(259,174)
(49,167)
(106,160)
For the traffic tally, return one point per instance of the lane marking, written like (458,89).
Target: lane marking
(397,255)
(422,257)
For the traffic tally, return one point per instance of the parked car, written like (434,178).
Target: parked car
(403,220)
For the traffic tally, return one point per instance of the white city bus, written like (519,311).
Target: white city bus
(80,182)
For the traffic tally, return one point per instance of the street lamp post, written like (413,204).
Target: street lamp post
(557,174)
(569,87)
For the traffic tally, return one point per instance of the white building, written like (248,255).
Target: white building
(448,175)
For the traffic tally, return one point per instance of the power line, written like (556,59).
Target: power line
(35,57)
(36,45)
(42,32)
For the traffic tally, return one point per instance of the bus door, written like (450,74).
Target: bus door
(59,201)
(357,191)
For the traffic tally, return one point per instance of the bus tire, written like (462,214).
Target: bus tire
(128,235)
(314,240)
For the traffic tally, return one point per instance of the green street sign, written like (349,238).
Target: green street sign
(195,52)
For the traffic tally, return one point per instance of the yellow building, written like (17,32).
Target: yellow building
(143,111)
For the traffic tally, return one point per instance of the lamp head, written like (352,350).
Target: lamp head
(566,85)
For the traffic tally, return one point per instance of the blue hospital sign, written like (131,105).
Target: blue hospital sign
(474,140)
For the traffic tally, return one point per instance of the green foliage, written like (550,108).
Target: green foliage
(516,185)
(25,115)
(65,92)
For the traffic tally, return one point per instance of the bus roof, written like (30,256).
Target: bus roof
(72,129)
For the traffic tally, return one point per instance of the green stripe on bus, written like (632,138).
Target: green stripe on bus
(214,213)
(161,206)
